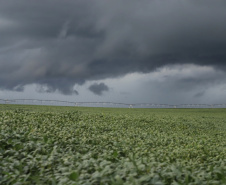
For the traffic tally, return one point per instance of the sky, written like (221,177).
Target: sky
(128,51)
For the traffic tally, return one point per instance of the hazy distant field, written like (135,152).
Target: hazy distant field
(78,145)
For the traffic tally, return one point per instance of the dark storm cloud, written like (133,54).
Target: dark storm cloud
(98,89)
(62,85)
(60,43)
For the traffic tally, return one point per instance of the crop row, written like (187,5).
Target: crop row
(80,148)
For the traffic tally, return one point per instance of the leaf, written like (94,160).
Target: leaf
(73,176)
(45,139)
(115,154)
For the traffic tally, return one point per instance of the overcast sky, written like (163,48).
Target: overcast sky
(152,51)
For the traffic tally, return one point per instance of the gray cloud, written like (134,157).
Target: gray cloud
(199,94)
(98,89)
(61,43)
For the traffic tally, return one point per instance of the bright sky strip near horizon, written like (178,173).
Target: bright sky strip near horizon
(167,52)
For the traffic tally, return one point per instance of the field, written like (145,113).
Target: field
(75,145)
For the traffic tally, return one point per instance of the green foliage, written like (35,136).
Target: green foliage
(112,146)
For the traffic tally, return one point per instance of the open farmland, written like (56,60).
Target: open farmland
(72,145)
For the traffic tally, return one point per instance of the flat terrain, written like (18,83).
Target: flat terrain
(78,145)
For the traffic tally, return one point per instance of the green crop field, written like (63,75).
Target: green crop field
(78,145)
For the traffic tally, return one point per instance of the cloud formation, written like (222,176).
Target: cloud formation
(98,89)
(57,44)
